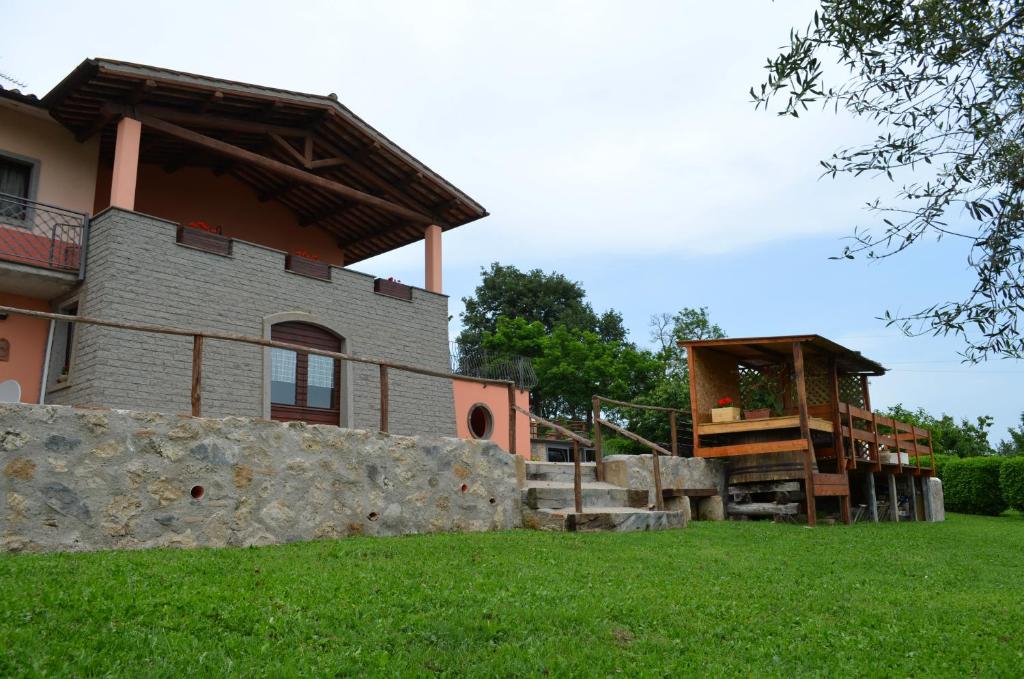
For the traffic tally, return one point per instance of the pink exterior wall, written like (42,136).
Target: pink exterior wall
(468,393)
(67,169)
(197,194)
(27,338)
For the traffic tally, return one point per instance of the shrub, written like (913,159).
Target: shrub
(1011,481)
(941,461)
(971,486)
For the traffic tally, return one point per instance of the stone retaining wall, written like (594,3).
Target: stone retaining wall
(77,479)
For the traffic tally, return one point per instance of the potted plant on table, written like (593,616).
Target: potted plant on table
(725,412)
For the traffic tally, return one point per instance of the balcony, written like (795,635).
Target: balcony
(41,247)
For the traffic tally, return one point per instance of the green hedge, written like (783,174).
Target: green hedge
(941,461)
(971,485)
(1011,482)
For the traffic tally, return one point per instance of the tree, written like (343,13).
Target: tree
(966,439)
(689,323)
(534,296)
(573,365)
(1015,444)
(944,80)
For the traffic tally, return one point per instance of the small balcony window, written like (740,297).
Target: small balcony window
(15,180)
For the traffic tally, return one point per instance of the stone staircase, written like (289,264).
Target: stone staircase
(548,502)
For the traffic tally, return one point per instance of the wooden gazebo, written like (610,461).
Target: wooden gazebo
(818,429)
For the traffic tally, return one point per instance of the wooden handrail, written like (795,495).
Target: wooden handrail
(197,355)
(641,406)
(560,429)
(659,500)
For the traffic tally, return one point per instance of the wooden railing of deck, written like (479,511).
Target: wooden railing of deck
(198,341)
(880,434)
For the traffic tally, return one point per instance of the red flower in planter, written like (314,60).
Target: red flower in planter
(724,402)
(307,255)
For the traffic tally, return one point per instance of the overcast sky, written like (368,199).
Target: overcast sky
(611,141)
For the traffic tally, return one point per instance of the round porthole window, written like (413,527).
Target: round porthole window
(481,422)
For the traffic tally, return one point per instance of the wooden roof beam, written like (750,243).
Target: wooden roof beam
(215,97)
(318,217)
(284,170)
(207,121)
(273,194)
(280,142)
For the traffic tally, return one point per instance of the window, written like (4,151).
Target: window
(282,376)
(320,382)
(481,422)
(565,454)
(15,180)
(304,387)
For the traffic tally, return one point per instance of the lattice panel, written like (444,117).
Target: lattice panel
(758,384)
(850,390)
(816,378)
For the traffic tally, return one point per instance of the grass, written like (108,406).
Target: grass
(715,599)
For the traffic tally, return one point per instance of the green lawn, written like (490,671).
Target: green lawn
(714,599)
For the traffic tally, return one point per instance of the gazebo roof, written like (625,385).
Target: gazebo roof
(762,351)
(352,181)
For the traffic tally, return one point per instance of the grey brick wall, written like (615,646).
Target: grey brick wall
(137,272)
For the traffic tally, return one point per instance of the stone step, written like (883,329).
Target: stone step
(592,519)
(559,494)
(559,471)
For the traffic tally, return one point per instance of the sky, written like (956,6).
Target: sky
(613,142)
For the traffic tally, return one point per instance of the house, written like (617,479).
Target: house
(141,194)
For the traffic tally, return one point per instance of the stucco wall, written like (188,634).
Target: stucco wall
(197,194)
(137,272)
(468,393)
(27,338)
(66,168)
(87,479)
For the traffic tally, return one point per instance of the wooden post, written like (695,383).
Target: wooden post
(577,476)
(197,376)
(872,497)
(659,498)
(599,464)
(805,431)
(674,434)
(913,498)
(894,502)
(384,398)
(694,412)
(837,422)
(512,418)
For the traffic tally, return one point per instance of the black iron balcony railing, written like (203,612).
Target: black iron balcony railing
(42,235)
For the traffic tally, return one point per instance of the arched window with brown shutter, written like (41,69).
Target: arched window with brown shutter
(305,387)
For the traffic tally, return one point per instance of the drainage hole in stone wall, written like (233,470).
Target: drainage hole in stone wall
(492,500)
(197,492)
(464,488)
(372,516)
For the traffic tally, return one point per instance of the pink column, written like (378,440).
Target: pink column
(432,273)
(126,164)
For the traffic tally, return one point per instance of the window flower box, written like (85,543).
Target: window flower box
(392,288)
(201,239)
(307,266)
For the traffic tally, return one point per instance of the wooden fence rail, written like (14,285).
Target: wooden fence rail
(577,440)
(198,338)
